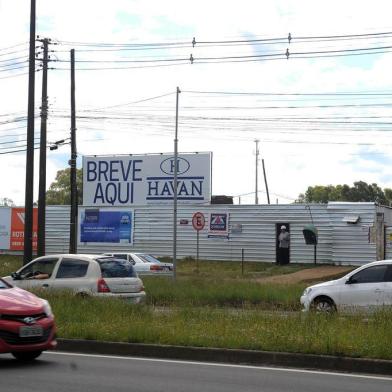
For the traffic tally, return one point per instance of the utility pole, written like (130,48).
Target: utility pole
(257,172)
(175,190)
(42,154)
(74,192)
(265,182)
(29,190)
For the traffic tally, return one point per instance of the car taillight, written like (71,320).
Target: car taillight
(102,286)
(156,267)
(141,288)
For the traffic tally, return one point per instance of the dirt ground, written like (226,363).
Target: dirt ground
(317,274)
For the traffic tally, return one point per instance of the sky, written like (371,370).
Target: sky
(321,114)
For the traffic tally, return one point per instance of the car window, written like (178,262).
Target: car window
(372,274)
(388,276)
(116,268)
(72,268)
(149,259)
(4,285)
(39,267)
(120,256)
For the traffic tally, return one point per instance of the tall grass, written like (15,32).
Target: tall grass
(232,293)
(116,320)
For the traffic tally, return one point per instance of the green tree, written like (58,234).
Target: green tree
(59,192)
(6,202)
(359,192)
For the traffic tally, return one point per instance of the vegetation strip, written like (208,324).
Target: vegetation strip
(214,307)
(243,357)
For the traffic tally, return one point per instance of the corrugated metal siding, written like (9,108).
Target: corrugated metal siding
(388,242)
(351,241)
(339,242)
(154,227)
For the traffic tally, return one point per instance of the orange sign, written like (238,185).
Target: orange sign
(17,228)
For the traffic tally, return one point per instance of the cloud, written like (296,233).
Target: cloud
(227,125)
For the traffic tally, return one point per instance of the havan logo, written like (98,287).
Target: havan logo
(168,166)
(188,187)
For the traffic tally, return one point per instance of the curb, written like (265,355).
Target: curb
(230,356)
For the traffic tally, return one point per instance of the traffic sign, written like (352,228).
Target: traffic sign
(198,221)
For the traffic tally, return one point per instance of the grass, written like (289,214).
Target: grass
(9,264)
(215,306)
(219,293)
(116,320)
(189,268)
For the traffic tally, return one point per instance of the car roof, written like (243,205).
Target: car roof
(78,255)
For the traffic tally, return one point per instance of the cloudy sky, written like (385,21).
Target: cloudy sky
(321,114)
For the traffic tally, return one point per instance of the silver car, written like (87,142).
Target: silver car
(144,263)
(367,288)
(95,275)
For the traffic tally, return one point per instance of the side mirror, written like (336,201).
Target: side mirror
(351,280)
(15,276)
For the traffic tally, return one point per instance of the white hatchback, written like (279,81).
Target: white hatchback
(83,274)
(366,288)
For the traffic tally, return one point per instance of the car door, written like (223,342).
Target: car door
(33,275)
(140,266)
(364,290)
(72,274)
(387,293)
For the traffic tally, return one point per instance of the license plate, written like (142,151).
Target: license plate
(30,331)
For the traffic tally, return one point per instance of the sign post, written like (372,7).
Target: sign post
(198,223)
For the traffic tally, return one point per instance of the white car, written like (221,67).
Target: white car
(365,288)
(83,274)
(144,263)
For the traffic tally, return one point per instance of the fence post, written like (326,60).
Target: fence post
(242,261)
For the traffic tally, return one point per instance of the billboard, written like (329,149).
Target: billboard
(109,226)
(5,228)
(144,179)
(12,228)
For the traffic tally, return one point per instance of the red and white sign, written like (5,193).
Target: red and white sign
(198,221)
(17,228)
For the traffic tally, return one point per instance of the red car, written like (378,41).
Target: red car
(26,323)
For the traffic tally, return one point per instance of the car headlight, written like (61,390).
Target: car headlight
(47,309)
(307,291)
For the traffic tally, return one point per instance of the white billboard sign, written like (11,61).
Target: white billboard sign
(145,179)
(5,227)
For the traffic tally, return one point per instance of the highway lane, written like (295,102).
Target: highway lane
(67,372)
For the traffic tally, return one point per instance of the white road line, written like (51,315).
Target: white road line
(278,369)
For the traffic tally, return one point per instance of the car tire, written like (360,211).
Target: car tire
(26,356)
(323,305)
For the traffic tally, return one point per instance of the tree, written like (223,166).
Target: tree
(59,192)
(6,202)
(359,192)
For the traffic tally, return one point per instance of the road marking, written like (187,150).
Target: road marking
(278,369)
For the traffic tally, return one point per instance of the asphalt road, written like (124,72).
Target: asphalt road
(58,372)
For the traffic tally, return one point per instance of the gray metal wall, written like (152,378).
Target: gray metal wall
(339,242)
(352,243)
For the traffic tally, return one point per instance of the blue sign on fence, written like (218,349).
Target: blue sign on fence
(106,226)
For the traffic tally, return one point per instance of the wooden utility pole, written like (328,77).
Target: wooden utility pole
(29,190)
(42,154)
(265,182)
(73,227)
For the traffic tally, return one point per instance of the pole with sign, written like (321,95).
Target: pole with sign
(198,223)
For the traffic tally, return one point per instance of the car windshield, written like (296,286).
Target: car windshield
(148,258)
(3,285)
(116,268)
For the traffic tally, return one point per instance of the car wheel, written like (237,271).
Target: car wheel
(323,305)
(26,355)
